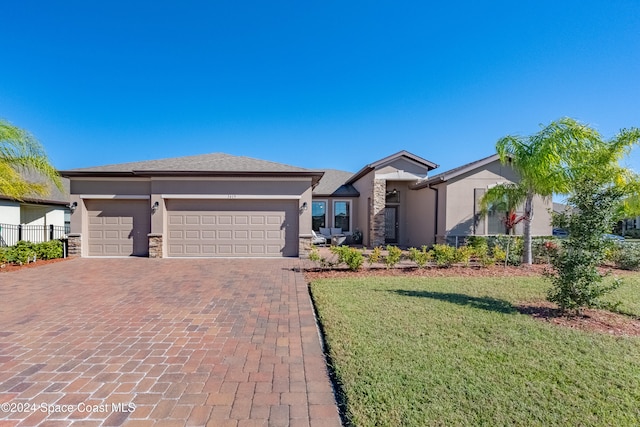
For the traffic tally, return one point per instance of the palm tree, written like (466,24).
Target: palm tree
(552,160)
(20,155)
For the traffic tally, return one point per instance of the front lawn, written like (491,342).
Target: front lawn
(418,351)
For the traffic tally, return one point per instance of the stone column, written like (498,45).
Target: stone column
(155,245)
(74,245)
(378,202)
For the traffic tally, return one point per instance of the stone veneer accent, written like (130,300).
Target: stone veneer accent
(304,246)
(155,245)
(74,245)
(378,202)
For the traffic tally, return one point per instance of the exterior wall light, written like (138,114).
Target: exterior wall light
(72,207)
(155,207)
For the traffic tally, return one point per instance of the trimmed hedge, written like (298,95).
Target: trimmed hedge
(24,252)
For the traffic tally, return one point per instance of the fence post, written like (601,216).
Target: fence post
(19,232)
(50,231)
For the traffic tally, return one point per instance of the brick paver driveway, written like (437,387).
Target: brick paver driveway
(142,342)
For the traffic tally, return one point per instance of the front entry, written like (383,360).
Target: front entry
(391,224)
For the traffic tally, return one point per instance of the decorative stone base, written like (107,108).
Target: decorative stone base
(74,245)
(377,220)
(155,245)
(304,246)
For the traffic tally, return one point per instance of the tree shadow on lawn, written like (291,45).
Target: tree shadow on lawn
(483,303)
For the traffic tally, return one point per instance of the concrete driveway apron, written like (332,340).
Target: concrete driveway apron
(161,342)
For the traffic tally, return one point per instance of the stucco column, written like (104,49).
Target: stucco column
(378,202)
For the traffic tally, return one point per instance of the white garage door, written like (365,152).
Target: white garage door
(118,227)
(233,228)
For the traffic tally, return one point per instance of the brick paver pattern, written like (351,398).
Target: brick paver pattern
(216,342)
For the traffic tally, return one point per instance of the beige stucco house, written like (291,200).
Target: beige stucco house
(218,205)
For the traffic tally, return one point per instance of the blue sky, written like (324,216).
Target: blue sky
(313,84)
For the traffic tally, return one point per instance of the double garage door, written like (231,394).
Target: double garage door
(233,228)
(196,228)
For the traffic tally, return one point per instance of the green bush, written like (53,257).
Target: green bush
(21,253)
(464,254)
(444,255)
(544,249)
(627,256)
(481,253)
(49,250)
(477,242)
(633,234)
(511,245)
(394,255)
(375,256)
(420,256)
(352,257)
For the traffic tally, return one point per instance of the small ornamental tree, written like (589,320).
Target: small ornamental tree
(577,281)
(598,187)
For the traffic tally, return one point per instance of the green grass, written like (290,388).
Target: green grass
(454,351)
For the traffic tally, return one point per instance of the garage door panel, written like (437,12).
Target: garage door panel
(233,228)
(118,227)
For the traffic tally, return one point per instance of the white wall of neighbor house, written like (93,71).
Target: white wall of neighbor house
(9,212)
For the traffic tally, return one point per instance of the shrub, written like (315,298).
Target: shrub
(420,256)
(544,249)
(49,250)
(633,234)
(512,247)
(352,257)
(499,254)
(481,254)
(394,254)
(477,242)
(375,256)
(21,253)
(464,254)
(444,255)
(627,256)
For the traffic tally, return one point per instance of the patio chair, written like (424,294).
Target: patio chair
(318,239)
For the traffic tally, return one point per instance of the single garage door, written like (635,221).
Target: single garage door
(233,228)
(118,227)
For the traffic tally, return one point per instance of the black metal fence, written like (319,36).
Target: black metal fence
(10,234)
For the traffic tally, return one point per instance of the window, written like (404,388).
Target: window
(495,221)
(342,215)
(318,215)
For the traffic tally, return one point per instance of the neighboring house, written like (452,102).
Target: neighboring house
(33,218)
(218,205)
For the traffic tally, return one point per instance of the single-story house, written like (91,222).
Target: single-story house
(219,205)
(35,219)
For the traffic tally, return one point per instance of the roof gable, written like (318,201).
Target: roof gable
(456,172)
(394,158)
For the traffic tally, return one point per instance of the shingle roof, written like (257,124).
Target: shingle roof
(214,162)
(455,172)
(55,196)
(333,184)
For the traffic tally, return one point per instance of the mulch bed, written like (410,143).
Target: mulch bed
(5,268)
(600,321)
